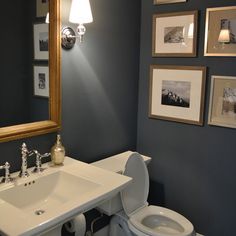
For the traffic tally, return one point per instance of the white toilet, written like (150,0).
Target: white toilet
(138,217)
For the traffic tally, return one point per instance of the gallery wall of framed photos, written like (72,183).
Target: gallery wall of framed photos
(198,157)
(40,28)
(177,34)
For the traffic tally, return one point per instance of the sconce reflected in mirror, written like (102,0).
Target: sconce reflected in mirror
(80,13)
(47,18)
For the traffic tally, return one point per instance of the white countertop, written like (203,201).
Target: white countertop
(15,221)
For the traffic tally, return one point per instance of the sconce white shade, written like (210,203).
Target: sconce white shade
(224,36)
(47,18)
(80,12)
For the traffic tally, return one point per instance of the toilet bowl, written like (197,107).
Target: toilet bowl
(154,220)
(143,219)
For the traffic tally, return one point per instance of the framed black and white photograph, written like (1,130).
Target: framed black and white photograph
(177,93)
(220,32)
(42,8)
(222,108)
(175,34)
(158,2)
(41,81)
(40,41)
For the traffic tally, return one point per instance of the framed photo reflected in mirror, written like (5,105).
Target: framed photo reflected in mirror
(41,41)
(41,81)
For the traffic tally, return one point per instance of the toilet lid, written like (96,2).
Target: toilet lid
(135,195)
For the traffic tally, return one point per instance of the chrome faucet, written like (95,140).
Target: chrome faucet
(7,178)
(24,155)
(38,167)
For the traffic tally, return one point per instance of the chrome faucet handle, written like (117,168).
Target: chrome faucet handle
(24,154)
(7,178)
(38,166)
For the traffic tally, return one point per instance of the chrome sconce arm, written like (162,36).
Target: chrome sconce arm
(68,37)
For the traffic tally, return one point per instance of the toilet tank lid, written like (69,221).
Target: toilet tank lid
(135,195)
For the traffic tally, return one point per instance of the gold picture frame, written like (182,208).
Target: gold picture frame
(222,106)
(220,32)
(176,93)
(175,34)
(159,2)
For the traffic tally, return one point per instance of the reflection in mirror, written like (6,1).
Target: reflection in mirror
(18,101)
(30,69)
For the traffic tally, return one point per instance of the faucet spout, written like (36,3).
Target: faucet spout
(24,155)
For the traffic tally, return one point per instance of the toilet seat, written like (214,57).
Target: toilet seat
(150,220)
(159,221)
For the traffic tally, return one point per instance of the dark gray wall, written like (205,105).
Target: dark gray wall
(14,108)
(16,63)
(100,82)
(193,168)
(38,106)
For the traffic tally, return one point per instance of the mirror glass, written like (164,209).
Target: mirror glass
(24,72)
(30,68)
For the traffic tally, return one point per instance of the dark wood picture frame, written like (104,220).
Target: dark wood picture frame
(222,105)
(177,93)
(172,40)
(214,24)
(160,2)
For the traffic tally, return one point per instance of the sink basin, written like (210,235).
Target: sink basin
(41,202)
(47,192)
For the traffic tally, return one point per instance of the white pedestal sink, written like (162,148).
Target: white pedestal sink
(34,205)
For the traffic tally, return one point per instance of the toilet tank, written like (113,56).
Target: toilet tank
(116,164)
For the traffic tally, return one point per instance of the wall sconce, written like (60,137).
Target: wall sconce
(80,13)
(47,18)
(224,36)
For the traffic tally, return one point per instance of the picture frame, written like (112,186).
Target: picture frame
(220,32)
(42,8)
(41,41)
(41,81)
(176,93)
(222,105)
(159,2)
(175,34)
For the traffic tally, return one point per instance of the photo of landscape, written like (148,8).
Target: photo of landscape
(229,102)
(174,34)
(43,41)
(176,93)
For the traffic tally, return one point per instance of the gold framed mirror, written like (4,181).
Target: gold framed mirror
(54,122)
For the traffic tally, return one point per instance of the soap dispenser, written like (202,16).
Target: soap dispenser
(58,152)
